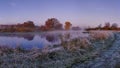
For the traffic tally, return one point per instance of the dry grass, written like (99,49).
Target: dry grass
(99,35)
(84,42)
(76,44)
(36,58)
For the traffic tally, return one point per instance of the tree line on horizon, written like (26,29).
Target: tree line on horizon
(29,26)
(54,24)
(107,26)
(51,25)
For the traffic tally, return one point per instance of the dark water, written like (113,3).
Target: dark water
(29,41)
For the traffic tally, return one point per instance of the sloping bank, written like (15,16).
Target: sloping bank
(109,58)
(81,53)
(89,52)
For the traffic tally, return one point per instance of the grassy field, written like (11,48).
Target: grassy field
(70,52)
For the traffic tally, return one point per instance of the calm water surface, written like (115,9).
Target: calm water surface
(39,40)
(28,41)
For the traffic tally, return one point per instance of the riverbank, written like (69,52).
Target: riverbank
(75,52)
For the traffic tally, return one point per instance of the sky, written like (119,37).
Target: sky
(78,12)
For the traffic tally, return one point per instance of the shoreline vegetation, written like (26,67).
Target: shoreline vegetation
(74,50)
(52,24)
(70,52)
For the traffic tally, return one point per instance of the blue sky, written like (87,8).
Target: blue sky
(78,12)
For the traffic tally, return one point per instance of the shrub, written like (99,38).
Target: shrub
(99,35)
(5,50)
(76,44)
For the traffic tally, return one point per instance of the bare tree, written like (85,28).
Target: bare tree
(107,26)
(99,26)
(114,26)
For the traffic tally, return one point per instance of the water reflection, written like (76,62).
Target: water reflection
(25,36)
(52,38)
(28,41)
(29,37)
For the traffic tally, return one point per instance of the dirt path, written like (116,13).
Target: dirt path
(108,59)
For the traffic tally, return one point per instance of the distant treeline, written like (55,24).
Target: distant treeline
(29,26)
(107,26)
(50,25)
(25,27)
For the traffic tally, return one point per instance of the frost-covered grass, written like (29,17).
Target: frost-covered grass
(98,35)
(73,49)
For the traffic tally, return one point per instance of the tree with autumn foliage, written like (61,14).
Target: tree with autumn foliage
(29,24)
(52,24)
(43,28)
(67,25)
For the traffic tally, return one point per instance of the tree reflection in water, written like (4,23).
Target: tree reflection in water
(29,37)
(50,37)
